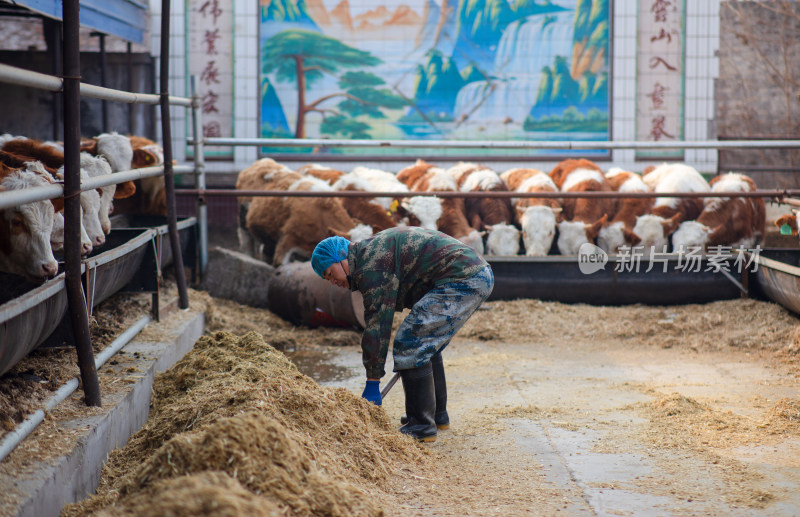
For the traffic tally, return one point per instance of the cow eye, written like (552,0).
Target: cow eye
(17,224)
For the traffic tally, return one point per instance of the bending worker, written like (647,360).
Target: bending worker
(442,281)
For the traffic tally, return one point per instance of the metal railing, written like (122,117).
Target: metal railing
(72,90)
(515,144)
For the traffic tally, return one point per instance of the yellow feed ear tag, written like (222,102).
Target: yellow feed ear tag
(393,206)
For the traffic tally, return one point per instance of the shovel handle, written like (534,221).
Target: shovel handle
(389,384)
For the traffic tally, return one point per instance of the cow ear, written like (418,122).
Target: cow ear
(603,221)
(333,232)
(143,158)
(89,145)
(671,224)
(630,237)
(58,204)
(125,189)
(714,235)
(594,229)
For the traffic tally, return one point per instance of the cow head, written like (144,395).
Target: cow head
(538,228)
(360,232)
(91,225)
(116,149)
(96,166)
(689,236)
(148,156)
(57,235)
(25,230)
(423,211)
(614,236)
(503,239)
(654,230)
(573,234)
(474,240)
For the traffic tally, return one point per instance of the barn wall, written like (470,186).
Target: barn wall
(757,93)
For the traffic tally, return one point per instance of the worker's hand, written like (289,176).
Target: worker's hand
(372,392)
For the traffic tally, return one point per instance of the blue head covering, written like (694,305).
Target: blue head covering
(328,252)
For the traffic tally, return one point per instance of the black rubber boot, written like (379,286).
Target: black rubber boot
(420,403)
(440,384)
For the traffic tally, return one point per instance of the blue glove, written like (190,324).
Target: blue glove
(372,392)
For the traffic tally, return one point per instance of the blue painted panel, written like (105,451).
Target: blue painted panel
(126,19)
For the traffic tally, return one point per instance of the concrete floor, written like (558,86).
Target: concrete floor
(563,430)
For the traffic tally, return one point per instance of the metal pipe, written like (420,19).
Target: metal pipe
(169,177)
(20,77)
(103,83)
(520,144)
(129,73)
(509,194)
(122,340)
(18,197)
(200,177)
(72,207)
(26,427)
(10,198)
(58,110)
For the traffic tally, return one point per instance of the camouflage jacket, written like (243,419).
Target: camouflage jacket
(393,270)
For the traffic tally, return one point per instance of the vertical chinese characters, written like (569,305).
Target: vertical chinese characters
(210,41)
(659,110)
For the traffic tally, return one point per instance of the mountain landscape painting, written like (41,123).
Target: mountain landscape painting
(434,70)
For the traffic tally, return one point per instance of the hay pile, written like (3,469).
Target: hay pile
(745,324)
(234,425)
(783,418)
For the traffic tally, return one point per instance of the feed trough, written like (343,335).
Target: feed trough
(778,276)
(662,282)
(34,315)
(28,314)
(186,233)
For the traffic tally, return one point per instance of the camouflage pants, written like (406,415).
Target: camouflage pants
(434,320)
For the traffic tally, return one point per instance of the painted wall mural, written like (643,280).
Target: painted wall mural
(434,69)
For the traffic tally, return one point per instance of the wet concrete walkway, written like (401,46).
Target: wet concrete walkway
(539,429)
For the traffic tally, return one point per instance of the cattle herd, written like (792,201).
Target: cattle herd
(32,232)
(280,228)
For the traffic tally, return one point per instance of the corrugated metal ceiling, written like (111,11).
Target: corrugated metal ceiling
(126,19)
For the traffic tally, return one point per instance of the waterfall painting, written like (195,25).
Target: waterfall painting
(485,70)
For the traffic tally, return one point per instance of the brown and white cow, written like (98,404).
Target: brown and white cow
(536,216)
(295,225)
(735,222)
(583,217)
(619,231)
(19,151)
(491,215)
(424,177)
(363,209)
(25,230)
(667,213)
(322,172)
(415,211)
(259,176)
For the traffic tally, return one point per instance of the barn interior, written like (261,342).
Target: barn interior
(230,385)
